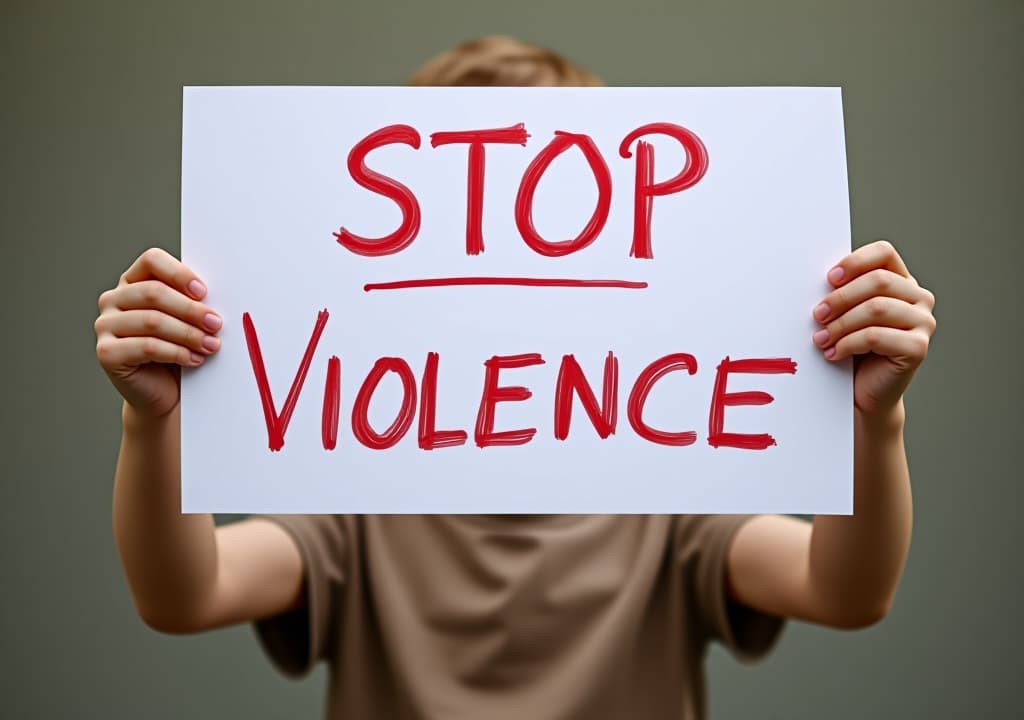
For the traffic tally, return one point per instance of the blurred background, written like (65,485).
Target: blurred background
(91,112)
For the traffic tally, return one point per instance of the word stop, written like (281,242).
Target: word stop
(645,188)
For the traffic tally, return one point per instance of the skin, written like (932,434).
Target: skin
(186,575)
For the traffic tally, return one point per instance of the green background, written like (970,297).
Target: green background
(91,102)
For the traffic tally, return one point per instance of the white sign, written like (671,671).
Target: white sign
(515,300)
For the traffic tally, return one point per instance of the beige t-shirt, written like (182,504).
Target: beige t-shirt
(511,617)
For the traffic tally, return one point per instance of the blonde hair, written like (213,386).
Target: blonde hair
(499,61)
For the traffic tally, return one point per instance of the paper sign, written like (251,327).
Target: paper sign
(515,300)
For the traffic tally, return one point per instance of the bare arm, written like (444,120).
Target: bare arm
(843,571)
(185,574)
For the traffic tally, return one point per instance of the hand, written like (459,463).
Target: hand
(149,326)
(878,314)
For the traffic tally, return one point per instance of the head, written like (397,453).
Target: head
(498,61)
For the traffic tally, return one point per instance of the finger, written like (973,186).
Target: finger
(157,264)
(887,341)
(877,311)
(928,298)
(874,283)
(153,323)
(118,354)
(880,254)
(156,295)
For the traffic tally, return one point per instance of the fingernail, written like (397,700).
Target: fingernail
(197,289)
(210,343)
(212,322)
(822,311)
(830,353)
(820,337)
(835,275)
(196,358)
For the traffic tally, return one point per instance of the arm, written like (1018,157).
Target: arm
(843,571)
(185,574)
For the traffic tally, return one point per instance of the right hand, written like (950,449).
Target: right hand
(149,326)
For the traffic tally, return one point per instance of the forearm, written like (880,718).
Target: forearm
(184,574)
(856,561)
(170,559)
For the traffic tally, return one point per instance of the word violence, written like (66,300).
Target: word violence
(645,188)
(571,383)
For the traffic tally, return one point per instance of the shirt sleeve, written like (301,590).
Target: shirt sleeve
(296,640)
(703,543)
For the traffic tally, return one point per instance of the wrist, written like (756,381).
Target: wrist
(888,422)
(137,422)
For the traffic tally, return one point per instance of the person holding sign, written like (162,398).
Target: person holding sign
(509,616)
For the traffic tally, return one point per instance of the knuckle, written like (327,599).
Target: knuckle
(151,256)
(876,308)
(839,300)
(150,348)
(886,247)
(883,280)
(921,342)
(929,298)
(105,351)
(837,328)
(99,324)
(151,321)
(181,275)
(872,337)
(103,300)
(150,293)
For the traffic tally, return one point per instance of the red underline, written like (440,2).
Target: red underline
(516,281)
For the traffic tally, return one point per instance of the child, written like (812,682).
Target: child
(507,616)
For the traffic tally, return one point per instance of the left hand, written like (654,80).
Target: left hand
(878,314)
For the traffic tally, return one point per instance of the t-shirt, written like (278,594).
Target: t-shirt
(511,617)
